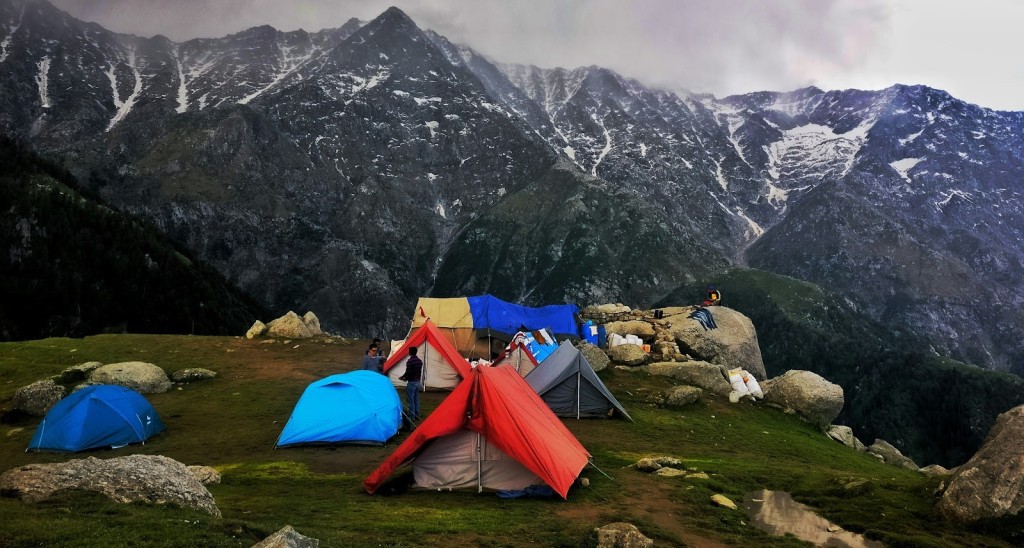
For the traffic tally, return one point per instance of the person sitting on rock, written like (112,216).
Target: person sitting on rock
(714,296)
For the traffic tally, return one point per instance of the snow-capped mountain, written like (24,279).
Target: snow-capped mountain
(353,169)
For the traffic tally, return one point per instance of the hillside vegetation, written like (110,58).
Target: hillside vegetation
(232,421)
(933,409)
(71,265)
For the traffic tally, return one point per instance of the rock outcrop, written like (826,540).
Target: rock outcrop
(627,354)
(258,328)
(844,435)
(621,535)
(733,344)
(192,374)
(287,537)
(991,483)
(890,455)
(142,377)
(704,375)
(291,326)
(78,373)
(809,394)
(37,398)
(147,478)
(596,357)
(312,323)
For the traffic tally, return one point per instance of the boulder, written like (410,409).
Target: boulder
(935,470)
(192,374)
(808,394)
(621,535)
(141,377)
(78,373)
(205,474)
(287,537)
(844,435)
(37,398)
(708,376)
(683,395)
(289,326)
(647,465)
(627,354)
(147,478)
(639,328)
(257,329)
(669,472)
(723,501)
(312,323)
(891,455)
(991,483)
(668,461)
(733,344)
(596,357)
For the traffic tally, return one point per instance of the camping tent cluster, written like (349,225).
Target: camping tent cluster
(491,432)
(498,429)
(474,324)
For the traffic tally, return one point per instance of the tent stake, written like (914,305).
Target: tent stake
(591,462)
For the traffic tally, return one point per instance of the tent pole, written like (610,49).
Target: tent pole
(479,466)
(577,395)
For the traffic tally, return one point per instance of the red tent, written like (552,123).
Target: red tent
(493,431)
(443,367)
(517,356)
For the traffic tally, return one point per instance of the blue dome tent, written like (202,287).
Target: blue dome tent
(360,407)
(94,417)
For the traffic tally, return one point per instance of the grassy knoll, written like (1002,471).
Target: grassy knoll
(231,423)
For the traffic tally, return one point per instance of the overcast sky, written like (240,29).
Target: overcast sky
(971,49)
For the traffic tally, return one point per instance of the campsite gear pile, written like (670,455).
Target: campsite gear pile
(743,384)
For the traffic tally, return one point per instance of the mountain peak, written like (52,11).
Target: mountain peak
(394,17)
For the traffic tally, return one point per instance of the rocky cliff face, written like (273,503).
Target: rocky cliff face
(353,169)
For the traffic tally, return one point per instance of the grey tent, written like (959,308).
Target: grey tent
(571,388)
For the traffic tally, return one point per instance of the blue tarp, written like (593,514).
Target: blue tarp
(357,407)
(490,312)
(97,416)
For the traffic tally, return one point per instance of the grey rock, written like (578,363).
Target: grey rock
(991,483)
(669,472)
(708,376)
(935,470)
(733,344)
(312,323)
(77,373)
(37,398)
(627,354)
(192,374)
(812,396)
(844,435)
(287,537)
(891,455)
(596,357)
(205,474)
(683,395)
(621,535)
(149,478)
(647,464)
(723,501)
(142,377)
(258,328)
(668,461)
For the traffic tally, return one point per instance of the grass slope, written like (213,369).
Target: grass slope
(232,421)
(934,409)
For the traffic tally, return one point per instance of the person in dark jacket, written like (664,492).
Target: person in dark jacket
(414,382)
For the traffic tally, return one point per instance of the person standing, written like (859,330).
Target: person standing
(371,361)
(413,378)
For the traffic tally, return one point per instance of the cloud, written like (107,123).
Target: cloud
(717,46)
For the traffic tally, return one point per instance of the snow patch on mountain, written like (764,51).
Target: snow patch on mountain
(10,34)
(43,81)
(182,88)
(905,165)
(950,194)
(288,63)
(124,107)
